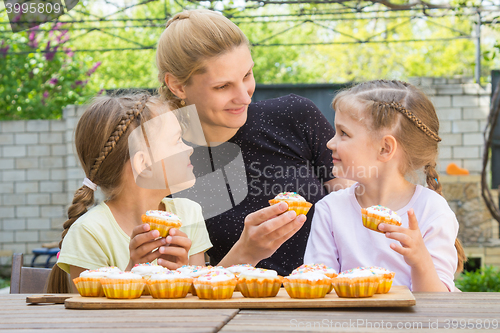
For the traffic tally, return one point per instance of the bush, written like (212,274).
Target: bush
(4,283)
(483,280)
(37,80)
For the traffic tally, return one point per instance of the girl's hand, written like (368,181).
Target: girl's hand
(174,253)
(142,244)
(412,246)
(264,232)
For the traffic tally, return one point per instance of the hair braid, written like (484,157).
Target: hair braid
(432,179)
(117,134)
(400,108)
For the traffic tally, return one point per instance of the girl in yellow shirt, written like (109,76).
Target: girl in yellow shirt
(111,233)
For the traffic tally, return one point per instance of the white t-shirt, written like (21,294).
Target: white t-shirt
(339,239)
(96,240)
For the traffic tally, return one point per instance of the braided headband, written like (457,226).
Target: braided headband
(113,139)
(397,106)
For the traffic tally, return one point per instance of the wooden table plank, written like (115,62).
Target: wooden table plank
(15,314)
(443,311)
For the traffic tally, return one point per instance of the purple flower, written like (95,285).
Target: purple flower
(3,50)
(60,39)
(94,68)
(80,83)
(45,95)
(68,51)
(49,55)
(33,43)
(54,81)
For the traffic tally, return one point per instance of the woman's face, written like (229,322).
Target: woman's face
(222,94)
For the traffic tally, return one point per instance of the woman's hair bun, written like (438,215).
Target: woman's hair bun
(177,17)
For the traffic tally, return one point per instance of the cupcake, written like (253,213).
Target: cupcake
(237,269)
(357,282)
(195,271)
(89,281)
(374,215)
(259,282)
(146,270)
(307,285)
(169,284)
(295,202)
(217,284)
(123,285)
(320,268)
(161,221)
(386,279)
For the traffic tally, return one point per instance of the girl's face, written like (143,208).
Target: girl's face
(354,155)
(222,94)
(166,157)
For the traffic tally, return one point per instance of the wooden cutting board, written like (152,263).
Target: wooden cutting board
(50,298)
(399,296)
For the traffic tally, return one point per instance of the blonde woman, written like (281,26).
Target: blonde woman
(204,60)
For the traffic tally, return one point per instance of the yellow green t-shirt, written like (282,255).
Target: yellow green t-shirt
(96,240)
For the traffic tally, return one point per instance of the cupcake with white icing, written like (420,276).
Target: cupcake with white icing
(386,279)
(146,270)
(195,271)
(356,282)
(307,284)
(123,285)
(374,215)
(169,284)
(320,268)
(89,281)
(259,282)
(161,221)
(294,201)
(216,284)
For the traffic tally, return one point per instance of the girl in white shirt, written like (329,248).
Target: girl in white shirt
(385,132)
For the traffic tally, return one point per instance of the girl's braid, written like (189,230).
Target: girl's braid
(397,106)
(116,135)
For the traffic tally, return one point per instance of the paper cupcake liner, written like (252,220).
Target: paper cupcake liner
(177,288)
(259,287)
(385,283)
(371,221)
(163,226)
(89,287)
(215,290)
(302,288)
(300,207)
(356,287)
(122,288)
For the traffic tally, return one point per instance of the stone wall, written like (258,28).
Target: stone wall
(39,172)
(38,176)
(478,231)
(462,108)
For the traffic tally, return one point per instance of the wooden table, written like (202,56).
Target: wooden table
(472,311)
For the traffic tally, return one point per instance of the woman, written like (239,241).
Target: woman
(204,60)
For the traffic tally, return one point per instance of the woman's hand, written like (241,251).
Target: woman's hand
(142,244)
(423,272)
(264,232)
(175,253)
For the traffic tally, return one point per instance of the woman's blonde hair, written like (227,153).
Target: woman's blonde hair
(411,116)
(101,140)
(189,40)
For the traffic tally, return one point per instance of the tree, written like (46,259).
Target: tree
(37,80)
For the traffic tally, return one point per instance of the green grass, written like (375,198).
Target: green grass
(4,283)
